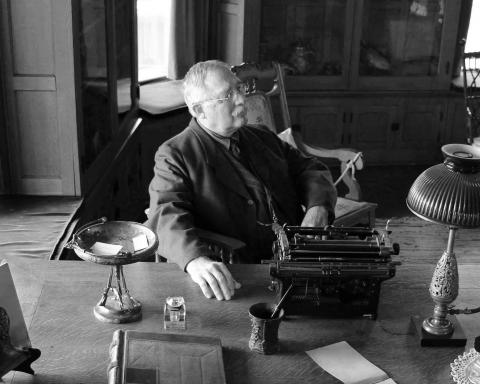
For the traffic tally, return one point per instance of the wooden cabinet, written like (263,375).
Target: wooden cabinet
(422,123)
(456,119)
(323,123)
(372,129)
(388,129)
(369,74)
(345,44)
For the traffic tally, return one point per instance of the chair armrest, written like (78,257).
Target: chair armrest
(344,155)
(221,240)
(224,248)
(350,161)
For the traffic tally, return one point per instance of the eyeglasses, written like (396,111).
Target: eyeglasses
(239,89)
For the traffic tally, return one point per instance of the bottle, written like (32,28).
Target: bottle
(174,313)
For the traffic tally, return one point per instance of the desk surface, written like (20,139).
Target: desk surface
(58,297)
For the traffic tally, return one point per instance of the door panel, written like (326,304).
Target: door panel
(323,126)
(40,96)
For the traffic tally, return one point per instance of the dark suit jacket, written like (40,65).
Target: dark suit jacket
(195,186)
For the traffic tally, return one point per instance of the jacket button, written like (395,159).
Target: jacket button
(250,202)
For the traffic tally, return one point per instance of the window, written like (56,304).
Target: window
(153,21)
(473,36)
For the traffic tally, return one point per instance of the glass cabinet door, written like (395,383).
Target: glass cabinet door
(311,37)
(106,72)
(402,40)
(94,125)
(123,56)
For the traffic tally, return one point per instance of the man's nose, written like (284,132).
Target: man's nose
(239,98)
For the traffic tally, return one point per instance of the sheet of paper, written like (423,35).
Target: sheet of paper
(140,242)
(9,301)
(100,248)
(344,206)
(347,365)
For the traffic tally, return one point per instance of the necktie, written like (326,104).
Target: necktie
(235,145)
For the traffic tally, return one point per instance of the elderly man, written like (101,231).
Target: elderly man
(224,176)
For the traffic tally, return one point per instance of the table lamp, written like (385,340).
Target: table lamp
(447,194)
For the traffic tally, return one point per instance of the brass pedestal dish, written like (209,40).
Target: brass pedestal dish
(115,243)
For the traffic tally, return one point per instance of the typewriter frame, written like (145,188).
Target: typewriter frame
(335,271)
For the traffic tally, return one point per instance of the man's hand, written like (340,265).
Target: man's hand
(213,277)
(316,216)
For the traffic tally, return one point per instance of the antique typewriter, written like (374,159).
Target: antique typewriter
(332,271)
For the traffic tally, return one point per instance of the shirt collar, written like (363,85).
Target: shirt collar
(223,140)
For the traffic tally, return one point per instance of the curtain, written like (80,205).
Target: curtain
(188,35)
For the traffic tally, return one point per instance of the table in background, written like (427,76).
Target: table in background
(58,298)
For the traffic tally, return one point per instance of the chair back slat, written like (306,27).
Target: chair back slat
(263,84)
(471,91)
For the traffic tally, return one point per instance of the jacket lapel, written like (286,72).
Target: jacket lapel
(283,195)
(216,159)
(255,151)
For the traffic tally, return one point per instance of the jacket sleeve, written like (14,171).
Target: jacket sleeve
(312,179)
(171,209)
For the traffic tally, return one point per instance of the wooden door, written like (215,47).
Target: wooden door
(37,57)
(238,30)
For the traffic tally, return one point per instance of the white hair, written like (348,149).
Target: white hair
(194,80)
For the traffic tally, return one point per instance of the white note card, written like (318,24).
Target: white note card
(140,242)
(346,364)
(100,248)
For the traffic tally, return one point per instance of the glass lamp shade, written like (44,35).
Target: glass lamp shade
(449,193)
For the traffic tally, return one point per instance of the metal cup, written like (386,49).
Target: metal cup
(264,335)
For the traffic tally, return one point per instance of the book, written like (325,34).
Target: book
(345,206)
(9,302)
(16,352)
(153,358)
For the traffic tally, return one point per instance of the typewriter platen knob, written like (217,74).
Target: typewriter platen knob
(396,248)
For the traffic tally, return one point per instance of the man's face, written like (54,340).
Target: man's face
(222,116)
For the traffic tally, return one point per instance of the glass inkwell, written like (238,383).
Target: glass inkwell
(466,368)
(174,313)
(115,244)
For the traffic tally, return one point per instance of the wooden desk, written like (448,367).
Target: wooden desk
(58,298)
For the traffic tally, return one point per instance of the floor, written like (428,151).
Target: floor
(30,226)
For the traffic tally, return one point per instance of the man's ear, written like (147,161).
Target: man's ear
(196,110)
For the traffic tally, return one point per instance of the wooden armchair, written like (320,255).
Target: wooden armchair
(267,83)
(471,92)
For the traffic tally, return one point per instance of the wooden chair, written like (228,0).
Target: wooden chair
(471,92)
(265,84)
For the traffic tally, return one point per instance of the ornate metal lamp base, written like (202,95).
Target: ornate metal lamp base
(116,304)
(438,327)
(456,338)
